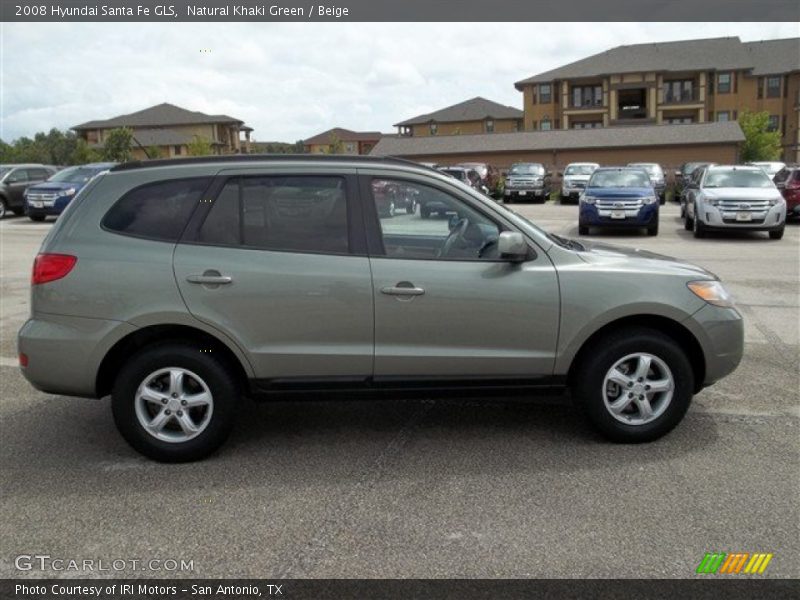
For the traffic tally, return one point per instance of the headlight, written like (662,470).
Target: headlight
(69,192)
(649,200)
(712,292)
(713,201)
(568,182)
(588,199)
(774,201)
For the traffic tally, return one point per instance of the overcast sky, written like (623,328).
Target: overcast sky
(292,80)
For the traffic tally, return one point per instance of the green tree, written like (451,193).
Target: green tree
(154,152)
(117,146)
(759,142)
(199,146)
(83,154)
(335,145)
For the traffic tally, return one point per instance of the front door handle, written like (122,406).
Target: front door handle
(210,278)
(404,288)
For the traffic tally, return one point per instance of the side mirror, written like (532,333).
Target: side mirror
(512,246)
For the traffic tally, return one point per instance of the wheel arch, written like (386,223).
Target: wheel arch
(665,325)
(153,334)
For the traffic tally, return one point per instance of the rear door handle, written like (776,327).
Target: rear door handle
(399,290)
(209,278)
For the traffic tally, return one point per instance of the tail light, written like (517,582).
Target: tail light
(50,267)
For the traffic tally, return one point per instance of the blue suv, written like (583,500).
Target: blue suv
(52,196)
(618,197)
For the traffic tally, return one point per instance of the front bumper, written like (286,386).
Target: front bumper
(571,192)
(64,353)
(524,192)
(720,332)
(769,220)
(46,208)
(645,216)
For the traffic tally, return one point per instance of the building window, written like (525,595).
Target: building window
(545,93)
(723,83)
(723,115)
(773,87)
(350,148)
(587,125)
(681,90)
(680,120)
(545,126)
(760,87)
(489,126)
(434,128)
(177,150)
(587,95)
(774,123)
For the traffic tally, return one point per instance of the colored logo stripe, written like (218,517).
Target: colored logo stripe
(720,562)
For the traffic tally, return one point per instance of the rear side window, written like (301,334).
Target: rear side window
(293,213)
(159,211)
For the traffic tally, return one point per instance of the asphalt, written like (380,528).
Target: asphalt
(435,488)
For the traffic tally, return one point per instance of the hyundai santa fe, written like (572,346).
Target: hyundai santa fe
(180,286)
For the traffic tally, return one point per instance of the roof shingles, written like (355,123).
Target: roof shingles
(161,115)
(474,109)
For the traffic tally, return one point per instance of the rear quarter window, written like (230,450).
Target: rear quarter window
(158,211)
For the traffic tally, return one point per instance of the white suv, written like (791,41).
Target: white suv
(727,197)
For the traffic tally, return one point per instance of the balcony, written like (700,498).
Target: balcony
(672,96)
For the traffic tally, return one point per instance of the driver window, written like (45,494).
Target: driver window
(418,221)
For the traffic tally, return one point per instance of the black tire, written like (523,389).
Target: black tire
(424,212)
(37,218)
(653,230)
(18,210)
(698,229)
(597,360)
(583,230)
(216,374)
(3,208)
(410,208)
(777,234)
(688,223)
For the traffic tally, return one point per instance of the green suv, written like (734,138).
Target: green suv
(179,286)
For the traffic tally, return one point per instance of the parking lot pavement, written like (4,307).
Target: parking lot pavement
(431,488)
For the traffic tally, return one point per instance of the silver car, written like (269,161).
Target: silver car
(734,198)
(576,176)
(179,286)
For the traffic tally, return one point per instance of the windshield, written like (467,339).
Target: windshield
(74,175)
(689,168)
(526,169)
(737,178)
(580,170)
(4,170)
(652,170)
(630,178)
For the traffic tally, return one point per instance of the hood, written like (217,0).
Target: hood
(607,254)
(742,193)
(55,186)
(619,192)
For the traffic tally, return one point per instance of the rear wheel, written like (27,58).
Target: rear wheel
(653,230)
(175,403)
(583,230)
(37,218)
(634,385)
(777,234)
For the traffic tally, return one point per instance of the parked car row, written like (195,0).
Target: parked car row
(40,191)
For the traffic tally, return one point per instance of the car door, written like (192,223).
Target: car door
(16,183)
(447,307)
(276,261)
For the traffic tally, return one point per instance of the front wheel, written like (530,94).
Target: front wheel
(777,234)
(36,218)
(698,228)
(583,230)
(634,385)
(174,402)
(652,230)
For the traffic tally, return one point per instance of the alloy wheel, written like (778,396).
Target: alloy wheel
(638,388)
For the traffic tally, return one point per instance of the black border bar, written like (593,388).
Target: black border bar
(400,11)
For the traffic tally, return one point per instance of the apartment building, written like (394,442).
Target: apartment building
(170,129)
(682,82)
(473,116)
(348,142)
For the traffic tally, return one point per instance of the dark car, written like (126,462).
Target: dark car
(619,197)
(14,180)
(683,174)
(52,197)
(692,178)
(788,182)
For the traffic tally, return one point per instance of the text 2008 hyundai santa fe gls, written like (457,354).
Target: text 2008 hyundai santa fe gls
(179,286)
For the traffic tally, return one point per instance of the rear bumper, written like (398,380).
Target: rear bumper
(64,353)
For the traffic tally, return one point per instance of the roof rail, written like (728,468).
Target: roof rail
(235,158)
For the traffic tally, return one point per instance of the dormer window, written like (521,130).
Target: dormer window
(434,128)
(489,126)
